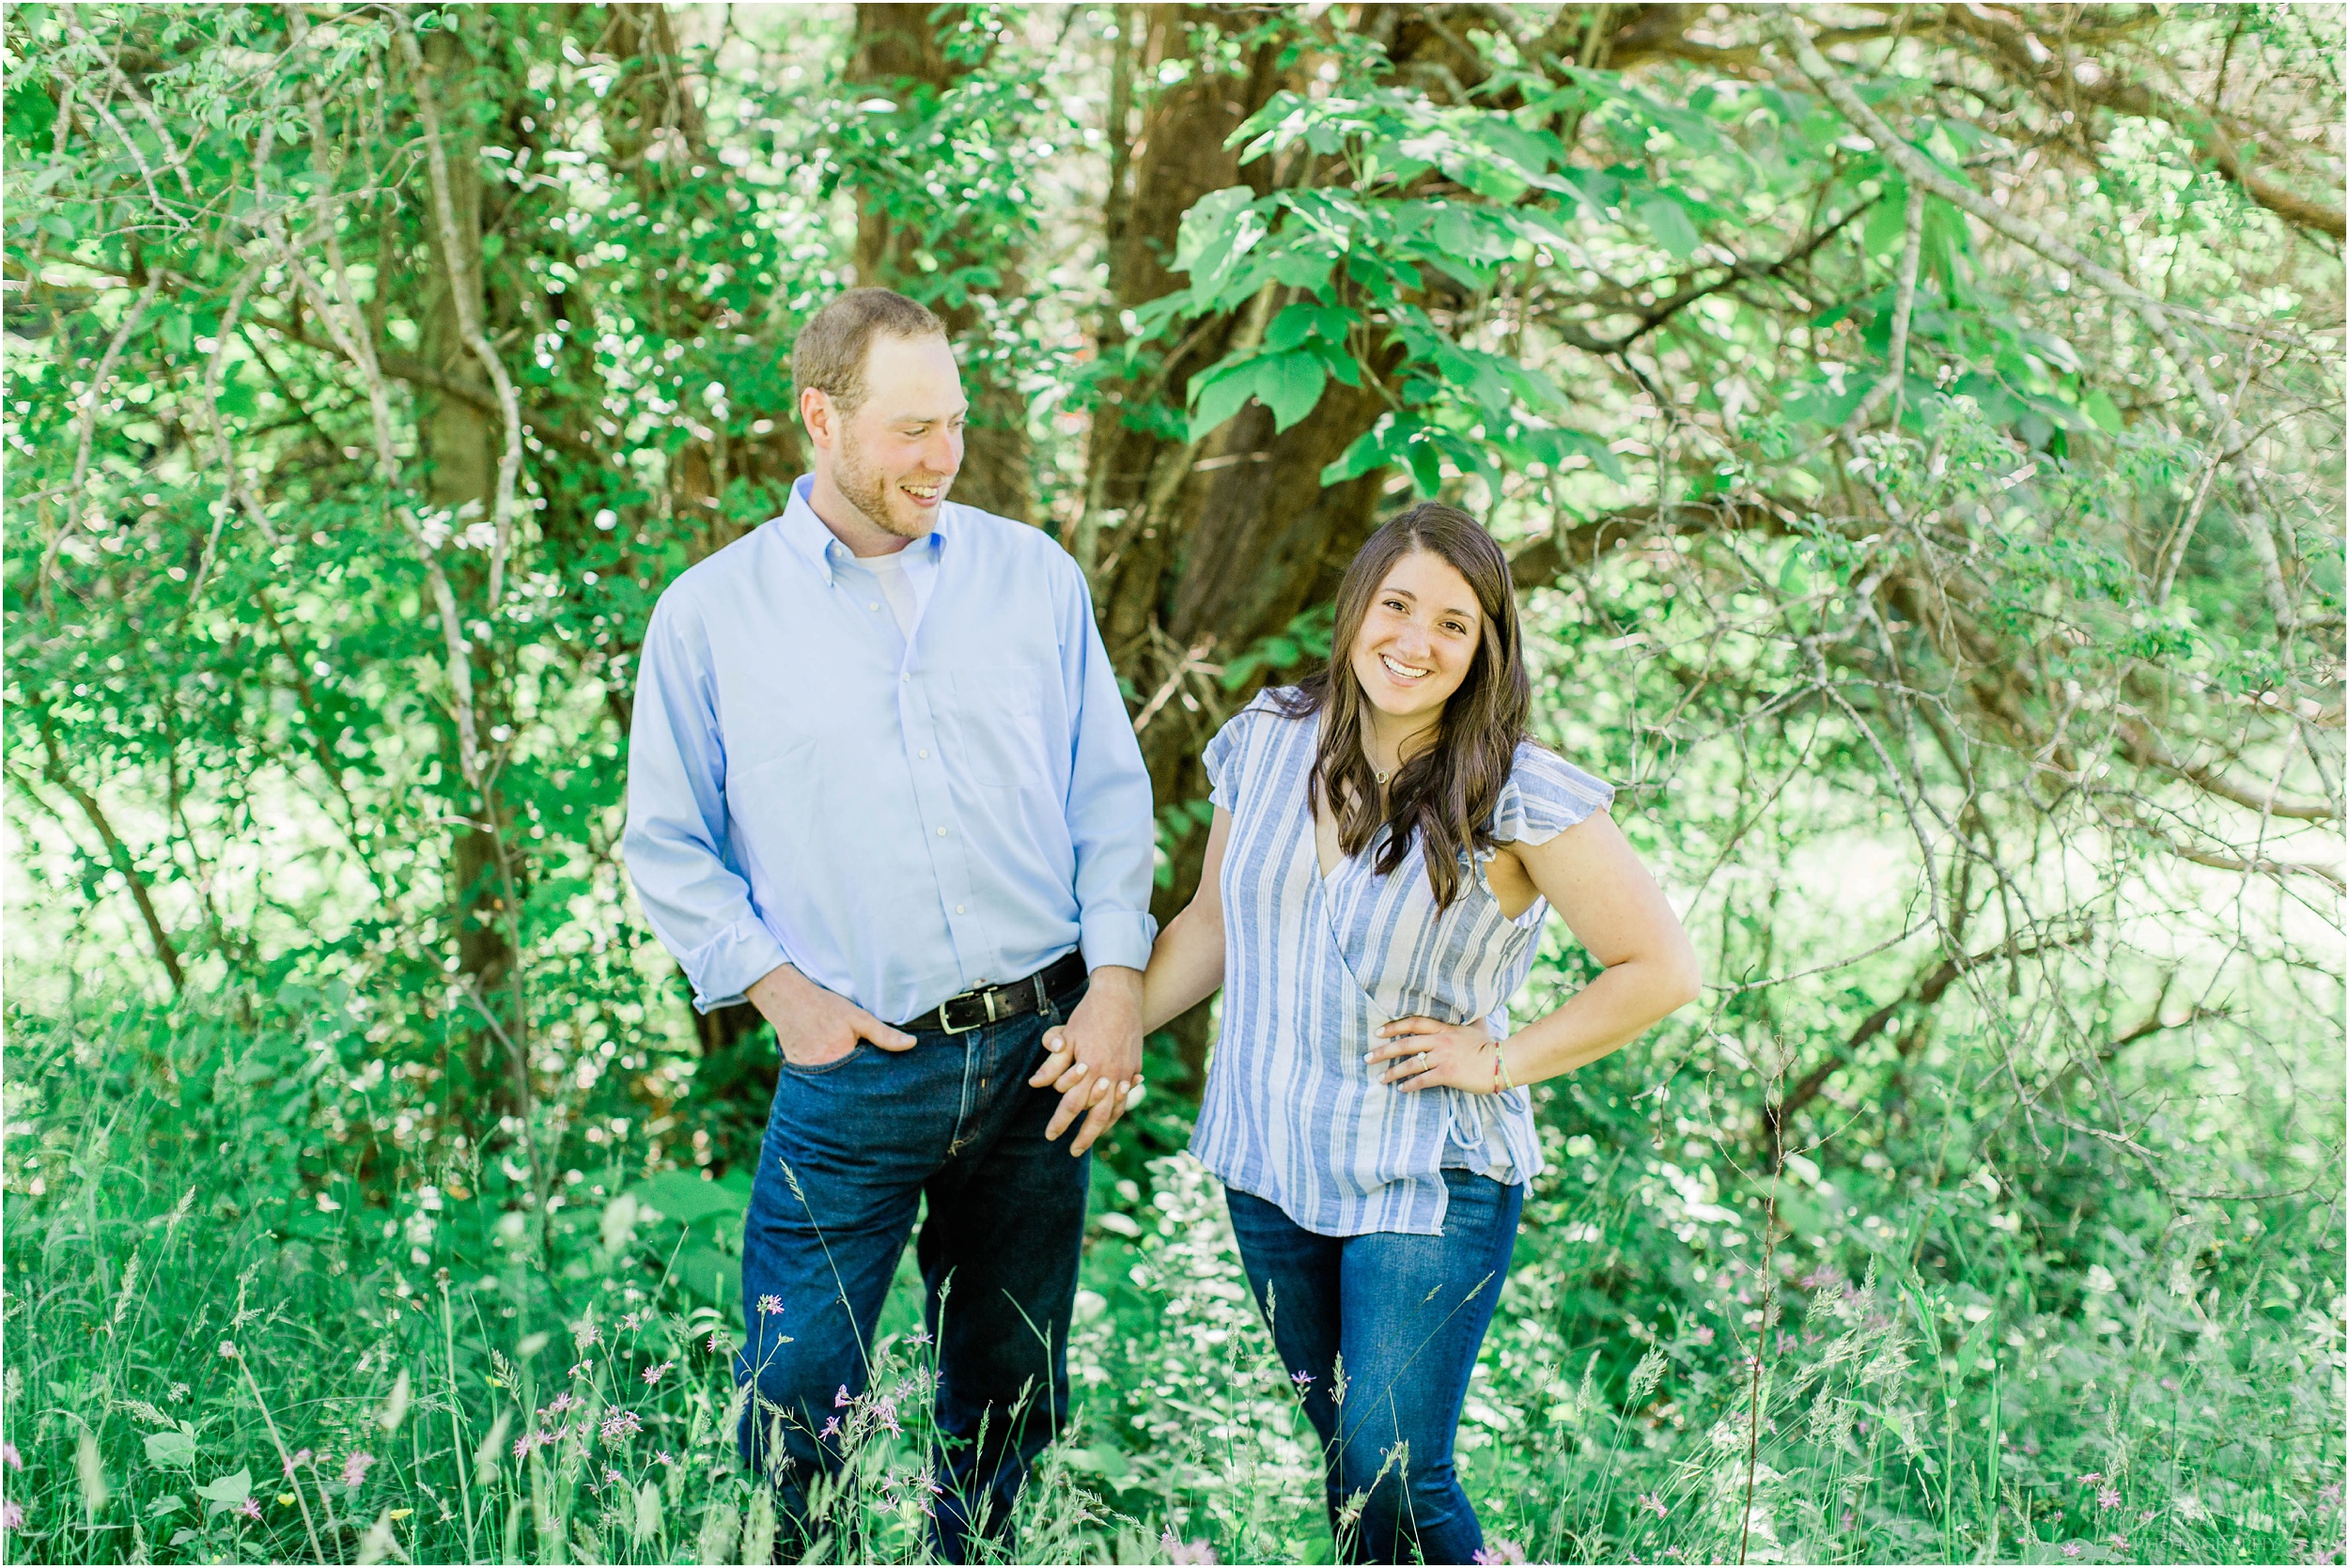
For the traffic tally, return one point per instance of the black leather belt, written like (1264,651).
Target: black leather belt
(973,1009)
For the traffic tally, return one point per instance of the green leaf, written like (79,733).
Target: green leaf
(1212,227)
(1668,221)
(1301,323)
(684,1197)
(226,1491)
(2099,406)
(1290,385)
(173,1450)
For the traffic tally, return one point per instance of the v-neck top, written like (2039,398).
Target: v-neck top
(1313,966)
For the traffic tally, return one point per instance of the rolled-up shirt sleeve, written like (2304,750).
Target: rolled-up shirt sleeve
(676,843)
(1109,795)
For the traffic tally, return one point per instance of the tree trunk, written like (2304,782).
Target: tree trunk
(460,442)
(898,54)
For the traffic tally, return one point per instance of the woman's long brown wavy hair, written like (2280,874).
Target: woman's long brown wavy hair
(1446,792)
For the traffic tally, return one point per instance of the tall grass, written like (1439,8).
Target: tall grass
(222,1346)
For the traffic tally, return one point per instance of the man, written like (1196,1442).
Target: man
(882,784)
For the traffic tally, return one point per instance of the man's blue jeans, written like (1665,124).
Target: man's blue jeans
(1406,1315)
(851,1149)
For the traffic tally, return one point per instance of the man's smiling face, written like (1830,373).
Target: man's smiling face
(894,456)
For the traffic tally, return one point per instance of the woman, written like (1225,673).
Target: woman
(1385,845)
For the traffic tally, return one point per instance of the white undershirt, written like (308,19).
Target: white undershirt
(896,587)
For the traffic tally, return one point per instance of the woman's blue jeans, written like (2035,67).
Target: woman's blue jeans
(1404,1315)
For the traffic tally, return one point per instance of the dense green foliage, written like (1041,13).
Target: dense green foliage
(1922,463)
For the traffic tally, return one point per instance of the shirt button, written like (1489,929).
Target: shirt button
(958,908)
(876,605)
(905,677)
(925,754)
(942,832)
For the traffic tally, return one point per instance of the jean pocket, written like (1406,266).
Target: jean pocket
(862,1047)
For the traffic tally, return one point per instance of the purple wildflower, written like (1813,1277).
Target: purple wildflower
(2327,1497)
(621,1423)
(2071,1548)
(770,1306)
(653,1374)
(888,1416)
(355,1468)
(1652,1503)
(1179,1551)
(250,1508)
(921,1337)
(9,1457)
(524,1444)
(562,1402)
(713,1345)
(585,1335)
(613,1477)
(2108,1497)
(1302,1379)
(831,1429)
(302,1456)
(12,1517)
(840,1400)
(1499,1548)
(662,1458)
(2091,1478)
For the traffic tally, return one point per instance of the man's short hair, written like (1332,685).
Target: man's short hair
(829,354)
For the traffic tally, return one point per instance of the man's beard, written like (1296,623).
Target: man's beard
(866,489)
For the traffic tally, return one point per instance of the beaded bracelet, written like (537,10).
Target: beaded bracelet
(1500,1071)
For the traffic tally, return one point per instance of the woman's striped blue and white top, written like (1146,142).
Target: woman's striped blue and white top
(1312,967)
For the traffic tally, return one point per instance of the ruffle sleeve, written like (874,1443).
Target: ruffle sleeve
(1544,795)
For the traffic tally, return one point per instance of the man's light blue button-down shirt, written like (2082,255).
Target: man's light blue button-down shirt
(901,818)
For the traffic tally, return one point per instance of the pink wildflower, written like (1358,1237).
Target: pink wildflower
(840,1399)
(632,1320)
(1652,1503)
(831,1429)
(613,1477)
(621,1423)
(770,1306)
(355,1468)
(1179,1551)
(2119,1543)
(12,1517)
(1705,1336)
(9,1456)
(585,1335)
(921,1337)
(713,1345)
(301,1456)
(524,1444)
(653,1374)
(2071,1548)
(2108,1497)
(1499,1548)
(562,1402)
(1302,1379)
(228,1349)
(662,1458)
(250,1508)
(2327,1495)
(2091,1478)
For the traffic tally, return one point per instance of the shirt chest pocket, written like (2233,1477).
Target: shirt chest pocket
(998,725)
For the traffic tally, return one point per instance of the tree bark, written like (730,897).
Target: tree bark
(899,53)
(460,438)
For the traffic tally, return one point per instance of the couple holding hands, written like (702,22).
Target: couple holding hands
(883,785)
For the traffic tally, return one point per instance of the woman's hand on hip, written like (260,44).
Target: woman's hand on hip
(1421,1054)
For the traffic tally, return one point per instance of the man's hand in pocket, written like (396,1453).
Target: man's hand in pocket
(814,1027)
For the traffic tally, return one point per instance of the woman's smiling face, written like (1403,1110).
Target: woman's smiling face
(1418,638)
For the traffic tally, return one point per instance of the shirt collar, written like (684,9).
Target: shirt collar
(805,531)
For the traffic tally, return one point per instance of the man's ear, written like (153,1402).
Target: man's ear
(815,412)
